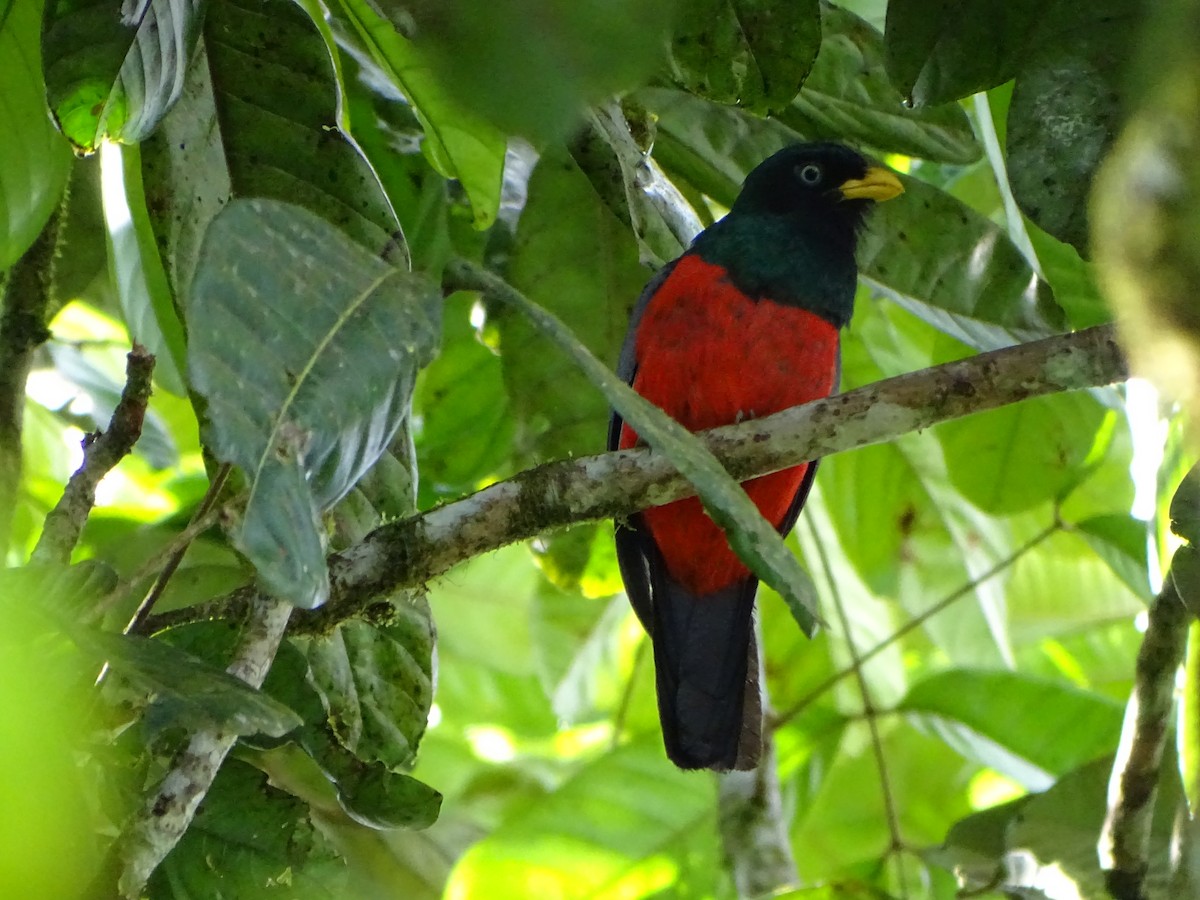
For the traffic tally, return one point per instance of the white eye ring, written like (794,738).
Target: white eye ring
(810,174)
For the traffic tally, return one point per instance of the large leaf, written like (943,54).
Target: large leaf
(753,53)
(848,97)
(251,840)
(113,73)
(34,161)
(376,684)
(968,280)
(188,692)
(258,118)
(458,143)
(626,825)
(999,718)
(305,347)
(942,50)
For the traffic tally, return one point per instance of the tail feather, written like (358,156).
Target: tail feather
(708,694)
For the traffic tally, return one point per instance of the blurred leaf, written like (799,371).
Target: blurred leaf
(752,53)
(188,692)
(848,97)
(458,143)
(530,66)
(462,392)
(345,333)
(1122,542)
(114,77)
(626,825)
(1185,508)
(34,160)
(998,718)
(259,118)
(1188,724)
(1014,458)
(147,304)
(376,683)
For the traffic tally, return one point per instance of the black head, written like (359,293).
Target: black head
(792,231)
(818,182)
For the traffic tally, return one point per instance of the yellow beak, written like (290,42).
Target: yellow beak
(878,184)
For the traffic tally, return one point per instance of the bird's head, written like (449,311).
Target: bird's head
(816,182)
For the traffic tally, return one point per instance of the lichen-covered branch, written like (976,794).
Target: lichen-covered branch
(410,552)
(1125,839)
(101,453)
(153,833)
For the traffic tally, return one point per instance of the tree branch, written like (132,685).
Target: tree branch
(101,453)
(25,299)
(1125,838)
(410,552)
(155,831)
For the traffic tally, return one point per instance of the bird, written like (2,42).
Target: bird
(745,323)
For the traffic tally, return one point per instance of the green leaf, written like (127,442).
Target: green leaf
(943,50)
(34,160)
(952,267)
(1185,508)
(306,348)
(1122,542)
(848,97)
(112,76)
(532,66)
(462,392)
(376,684)
(753,53)
(1066,108)
(188,692)
(628,824)
(458,143)
(258,118)
(999,719)
(1014,458)
(251,840)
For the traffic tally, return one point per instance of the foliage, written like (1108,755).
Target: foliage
(278,186)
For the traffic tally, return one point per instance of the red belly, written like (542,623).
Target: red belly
(710,356)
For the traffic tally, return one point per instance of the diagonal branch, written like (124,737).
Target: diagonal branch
(410,552)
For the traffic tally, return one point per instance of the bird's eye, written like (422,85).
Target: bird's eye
(810,174)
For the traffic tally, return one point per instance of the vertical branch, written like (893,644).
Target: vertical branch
(1124,846)
(25,301)
(155,831)
(101,453)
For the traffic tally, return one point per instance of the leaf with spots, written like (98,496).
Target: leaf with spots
(305,348)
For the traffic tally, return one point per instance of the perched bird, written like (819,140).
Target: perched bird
(744,324)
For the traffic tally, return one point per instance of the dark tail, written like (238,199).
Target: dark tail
(706,663)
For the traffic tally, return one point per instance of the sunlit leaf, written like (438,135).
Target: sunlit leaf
(34,161)
(113,73)
(307,362)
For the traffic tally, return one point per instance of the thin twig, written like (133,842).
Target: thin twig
(101,452)
(870,714)
(916,622)
(171,557)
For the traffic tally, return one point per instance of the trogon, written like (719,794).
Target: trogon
(745,323)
